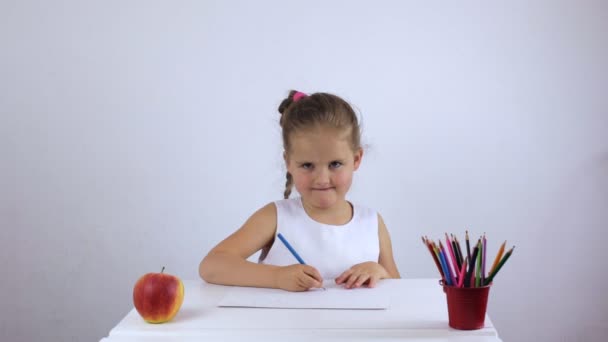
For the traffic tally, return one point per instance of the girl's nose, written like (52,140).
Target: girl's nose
(322,177)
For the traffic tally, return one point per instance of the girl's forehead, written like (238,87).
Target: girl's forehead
(328,134)
(320,142)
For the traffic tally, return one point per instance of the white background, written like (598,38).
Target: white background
(138,134)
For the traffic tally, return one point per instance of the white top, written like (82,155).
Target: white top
(330,249)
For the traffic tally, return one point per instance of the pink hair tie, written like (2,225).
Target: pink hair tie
(298,95)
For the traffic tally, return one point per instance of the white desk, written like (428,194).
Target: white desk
(418,312)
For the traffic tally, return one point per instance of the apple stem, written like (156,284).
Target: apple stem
(161,271)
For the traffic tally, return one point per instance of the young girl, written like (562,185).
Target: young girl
(337,239)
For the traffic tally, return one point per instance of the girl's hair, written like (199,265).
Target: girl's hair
(300,112)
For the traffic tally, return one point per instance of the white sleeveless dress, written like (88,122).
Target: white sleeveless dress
(330,249)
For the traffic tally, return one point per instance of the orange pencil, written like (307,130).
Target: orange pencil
(498,256)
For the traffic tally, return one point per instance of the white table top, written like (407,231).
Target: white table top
(418,311)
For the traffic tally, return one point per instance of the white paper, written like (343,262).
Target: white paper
(333,297)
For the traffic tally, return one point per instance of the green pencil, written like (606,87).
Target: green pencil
(502,262)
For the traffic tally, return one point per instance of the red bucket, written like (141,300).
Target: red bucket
(467,306)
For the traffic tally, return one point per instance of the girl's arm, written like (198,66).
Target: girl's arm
(227,264)
(386,250)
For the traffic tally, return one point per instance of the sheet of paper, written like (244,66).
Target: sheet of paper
(333,297)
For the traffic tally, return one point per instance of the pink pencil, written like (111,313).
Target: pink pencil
(452,255)
(462,272)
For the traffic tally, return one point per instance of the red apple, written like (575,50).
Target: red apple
(158,296)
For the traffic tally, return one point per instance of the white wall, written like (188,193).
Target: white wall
(136,135)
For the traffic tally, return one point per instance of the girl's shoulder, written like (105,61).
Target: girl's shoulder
(288,201)
(364,209)
(271,210)
(267,213)
(370,213)
(290,205)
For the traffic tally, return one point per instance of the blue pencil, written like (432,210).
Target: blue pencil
(293,251)
(446,269)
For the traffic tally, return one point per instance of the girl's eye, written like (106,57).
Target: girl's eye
(335,164)
(306,166)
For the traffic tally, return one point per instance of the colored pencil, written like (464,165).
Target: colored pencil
(456,261)
(468,246)
(293,251)
(483,259)
(461,275)
(478,270)
(451,274)
(436,250)
(446,268)
(502,262)
(498,256)
(437,253)
(451,255)
(459,250)
(469,275)
(430,248)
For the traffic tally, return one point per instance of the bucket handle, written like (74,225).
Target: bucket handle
(442,283)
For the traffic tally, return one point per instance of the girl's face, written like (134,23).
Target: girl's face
(321,162)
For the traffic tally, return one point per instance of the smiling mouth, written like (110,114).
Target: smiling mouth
(324,189)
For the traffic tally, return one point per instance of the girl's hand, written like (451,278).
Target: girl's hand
(365,273)
(298,277)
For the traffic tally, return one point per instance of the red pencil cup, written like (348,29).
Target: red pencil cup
(466,306)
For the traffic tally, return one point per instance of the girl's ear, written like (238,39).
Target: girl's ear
(286,158)
(358,157)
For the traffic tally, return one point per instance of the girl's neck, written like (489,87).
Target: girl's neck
(339,214)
